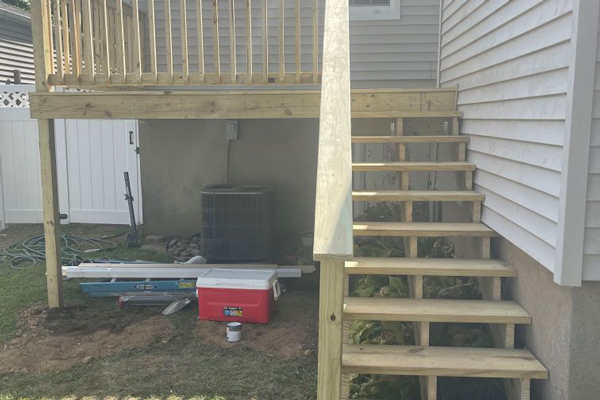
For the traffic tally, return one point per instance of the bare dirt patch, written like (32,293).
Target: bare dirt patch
(50,341)
(291,334)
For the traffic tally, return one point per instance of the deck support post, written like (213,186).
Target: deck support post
(50,211)
(331,303)
(41,23)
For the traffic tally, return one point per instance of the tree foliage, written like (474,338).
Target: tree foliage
(22,4)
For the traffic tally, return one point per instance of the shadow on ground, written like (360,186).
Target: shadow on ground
(93,349)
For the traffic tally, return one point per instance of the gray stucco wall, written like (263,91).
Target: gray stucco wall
(178,158)
(565,334)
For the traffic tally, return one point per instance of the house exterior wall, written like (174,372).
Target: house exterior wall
(510,60)
(281,154)
(16,48)
(384,53)
(591,257)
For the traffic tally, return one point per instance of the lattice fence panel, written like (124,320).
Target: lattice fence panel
(14,99)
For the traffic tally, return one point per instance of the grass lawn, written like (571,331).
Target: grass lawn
(93,349)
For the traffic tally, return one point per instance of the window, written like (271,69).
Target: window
(363,10)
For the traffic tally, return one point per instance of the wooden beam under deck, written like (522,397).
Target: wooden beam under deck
(240,104)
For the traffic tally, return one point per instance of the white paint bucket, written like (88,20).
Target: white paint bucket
(234,332)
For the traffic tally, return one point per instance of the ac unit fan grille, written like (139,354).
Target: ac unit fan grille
(236,223)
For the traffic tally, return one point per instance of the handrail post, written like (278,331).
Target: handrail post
(333,213)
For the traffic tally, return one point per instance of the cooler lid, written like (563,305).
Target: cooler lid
(238,279)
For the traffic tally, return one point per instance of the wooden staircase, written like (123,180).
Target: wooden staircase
(518,367)
(335,233)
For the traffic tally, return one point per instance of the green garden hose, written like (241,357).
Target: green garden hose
(74,250)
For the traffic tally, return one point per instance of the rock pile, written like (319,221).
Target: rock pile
(184,249)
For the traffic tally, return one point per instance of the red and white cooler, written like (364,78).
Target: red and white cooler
(238,295)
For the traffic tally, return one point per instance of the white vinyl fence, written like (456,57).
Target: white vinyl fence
(91,156)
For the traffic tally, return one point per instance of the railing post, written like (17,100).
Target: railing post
(42,44)
(333,212)
(331,303)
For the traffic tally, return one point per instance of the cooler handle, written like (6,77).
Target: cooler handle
(276,290)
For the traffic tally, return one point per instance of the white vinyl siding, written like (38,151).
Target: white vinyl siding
(510,60)
(385,53)
(16,49)
(591,248)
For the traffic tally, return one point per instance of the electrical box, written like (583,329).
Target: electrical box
(231,131)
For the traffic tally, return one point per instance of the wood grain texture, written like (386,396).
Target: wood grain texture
(50,212)
(417,195)
(331,301)
(430,267)
(442,361)
(410,139)
(333,210)
(422,229)
(413,166)
(435,310)
(215,104)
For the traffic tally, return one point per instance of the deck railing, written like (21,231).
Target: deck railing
(333,214)
(183,42)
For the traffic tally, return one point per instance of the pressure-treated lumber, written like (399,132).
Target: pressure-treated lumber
(422,229)
(410,139)
(333,208)
(169,39)
(331,301)
(50,212)
(43,59)
(226,104)
(409,166)
(417,195)
(442,361)
(435,310)
(185,61)
(430,267)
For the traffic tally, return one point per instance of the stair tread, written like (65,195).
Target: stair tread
(411,139)
(434,310)
(406,114)
(418,195)
(422,229)
(414,166)
(442,361)
(430,267)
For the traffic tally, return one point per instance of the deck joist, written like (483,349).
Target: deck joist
(239,104)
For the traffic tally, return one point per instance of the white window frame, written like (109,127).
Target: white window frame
(370,13)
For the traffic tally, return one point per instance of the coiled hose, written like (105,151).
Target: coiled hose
(73,250)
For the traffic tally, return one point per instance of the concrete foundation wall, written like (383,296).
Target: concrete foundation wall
(565,334)
(179,158)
